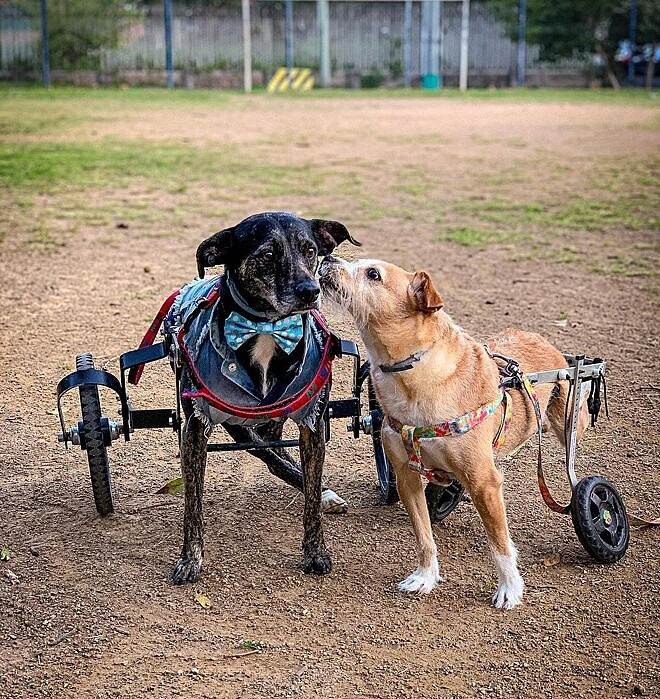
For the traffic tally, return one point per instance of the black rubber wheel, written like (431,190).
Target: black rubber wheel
(386,477)
(600,519)
(93,442)
(443,500)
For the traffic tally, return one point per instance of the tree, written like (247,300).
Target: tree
(78,29)
(569,28)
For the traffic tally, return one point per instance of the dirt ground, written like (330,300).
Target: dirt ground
(86,609)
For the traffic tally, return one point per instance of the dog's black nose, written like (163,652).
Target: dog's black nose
(326,263)
(307,291)
(330,260)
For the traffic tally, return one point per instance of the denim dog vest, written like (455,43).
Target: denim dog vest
(224,391)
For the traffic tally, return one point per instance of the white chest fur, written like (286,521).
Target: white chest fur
(261,356)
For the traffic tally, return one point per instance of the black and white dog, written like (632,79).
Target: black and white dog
(251,337)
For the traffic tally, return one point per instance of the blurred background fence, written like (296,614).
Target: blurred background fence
(110,42)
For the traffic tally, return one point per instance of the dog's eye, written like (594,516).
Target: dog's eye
(267,255)
(373,273)
(310,252)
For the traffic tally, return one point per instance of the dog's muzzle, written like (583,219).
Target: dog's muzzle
(328,263)
(307,291)
(328,272)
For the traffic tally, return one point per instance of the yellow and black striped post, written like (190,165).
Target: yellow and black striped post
(297,79)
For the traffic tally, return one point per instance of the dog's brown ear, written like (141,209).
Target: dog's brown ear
(329,234)
(214,250)
(423,294)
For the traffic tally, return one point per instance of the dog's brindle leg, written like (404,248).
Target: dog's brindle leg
(411,492)
(316,558)
(193,467)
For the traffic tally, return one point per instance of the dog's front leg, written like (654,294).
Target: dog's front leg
(486,494)
(411,492)
(316,558)
(193,467)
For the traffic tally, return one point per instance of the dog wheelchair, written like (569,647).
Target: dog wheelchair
(95,432)
(598,513)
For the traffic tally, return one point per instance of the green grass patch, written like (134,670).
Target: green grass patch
(43,240)
(47,167)
(28,122)
(625,266)
(579,214)
(163,97)
(568,255)
(482,237)
(133,96)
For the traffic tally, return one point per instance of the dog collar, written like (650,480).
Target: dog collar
(242,303)
(404,364)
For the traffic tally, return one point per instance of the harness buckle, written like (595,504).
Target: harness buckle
(512,368)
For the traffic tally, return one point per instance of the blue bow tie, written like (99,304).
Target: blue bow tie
(286,332)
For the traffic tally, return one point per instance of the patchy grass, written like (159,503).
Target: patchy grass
(43,240)
(481,237)
(502,217)
(535,200)
(627,266)
(85,96)
(44,167)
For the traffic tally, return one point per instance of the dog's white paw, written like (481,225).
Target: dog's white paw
(511,585)
(509,595)
(332,504)
(422,580)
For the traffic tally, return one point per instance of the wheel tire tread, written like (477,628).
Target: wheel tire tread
(390,494)
(452,494)
(97,453)
(589,539)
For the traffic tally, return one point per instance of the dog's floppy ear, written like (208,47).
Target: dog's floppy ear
(329,234)
(214,250)
(423,294)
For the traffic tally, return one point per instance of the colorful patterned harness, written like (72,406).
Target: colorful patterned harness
(460,425)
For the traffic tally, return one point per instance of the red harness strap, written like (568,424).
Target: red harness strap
(282,408)
(135,372)
(285,406)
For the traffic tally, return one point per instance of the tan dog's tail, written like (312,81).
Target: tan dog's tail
(556,411)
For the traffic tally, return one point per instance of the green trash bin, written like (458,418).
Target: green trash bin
(430,81)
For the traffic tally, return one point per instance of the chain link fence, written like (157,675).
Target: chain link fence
(108,42)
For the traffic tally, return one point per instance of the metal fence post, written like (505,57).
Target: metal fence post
(429,44)
(323,15)
(632,38)
(436,38)
(168,44)
(288,36)
(247,46)
(522,43)
(407,43)
(45,50)
(465,37)
(423,38)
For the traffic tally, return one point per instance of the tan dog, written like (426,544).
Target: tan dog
(399,317)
